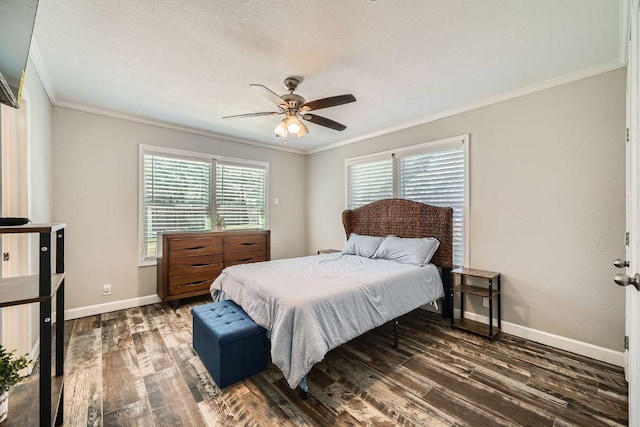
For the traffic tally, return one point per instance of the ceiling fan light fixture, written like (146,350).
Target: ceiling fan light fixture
(291,125)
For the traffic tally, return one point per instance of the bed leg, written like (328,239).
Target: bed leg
(447,302)
(303,388)
(395,333)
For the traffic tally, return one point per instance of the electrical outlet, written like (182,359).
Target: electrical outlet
(106,289)
(485,301)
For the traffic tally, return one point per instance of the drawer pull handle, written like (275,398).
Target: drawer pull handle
(195,248)
(200,265)
(247,243)
(202,282)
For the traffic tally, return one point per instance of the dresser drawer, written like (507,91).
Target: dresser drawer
(195,264)
(192,247)
(233,258)
(192,282)
(245,243)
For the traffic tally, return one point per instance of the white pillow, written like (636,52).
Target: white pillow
(408,251)
(364,246)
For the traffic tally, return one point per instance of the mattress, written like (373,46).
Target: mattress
(313,304)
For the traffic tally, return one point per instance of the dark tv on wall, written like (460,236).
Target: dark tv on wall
(17,18)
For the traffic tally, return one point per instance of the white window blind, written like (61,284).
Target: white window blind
(177,196)
(369,181)
(436,178)
(433,173)
(240,196)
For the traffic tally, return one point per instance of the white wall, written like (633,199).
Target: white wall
(40,170)
(547,202)
(96,193)
(40,164)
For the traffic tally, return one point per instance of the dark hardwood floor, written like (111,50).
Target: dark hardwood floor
(136,367)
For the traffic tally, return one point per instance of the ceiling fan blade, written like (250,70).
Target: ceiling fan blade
(332,101)
(266,113)
(271,95)
(323,121)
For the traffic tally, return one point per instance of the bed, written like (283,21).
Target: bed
(311,305)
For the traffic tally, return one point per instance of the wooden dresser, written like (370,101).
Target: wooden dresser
(189,262)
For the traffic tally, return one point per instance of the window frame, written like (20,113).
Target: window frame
(144,149)
(421,148)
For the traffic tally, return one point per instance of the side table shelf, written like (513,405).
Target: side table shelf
(48,388)
(328,251)
(492,293)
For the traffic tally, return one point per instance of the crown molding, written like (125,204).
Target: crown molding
(38,63)
(547,84)
(166,125)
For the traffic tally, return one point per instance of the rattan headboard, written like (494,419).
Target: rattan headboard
(404,218)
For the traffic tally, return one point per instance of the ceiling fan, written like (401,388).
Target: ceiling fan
(295,107)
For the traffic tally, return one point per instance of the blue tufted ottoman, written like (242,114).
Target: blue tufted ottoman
(231,346)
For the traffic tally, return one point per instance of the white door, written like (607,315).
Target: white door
(631,278)
(15,322)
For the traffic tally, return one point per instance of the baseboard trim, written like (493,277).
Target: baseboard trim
(563,343)
(91,310)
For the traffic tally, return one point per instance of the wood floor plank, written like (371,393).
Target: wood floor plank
(136,414)
(162,388)
(122,383)
(116,334)
(83,397)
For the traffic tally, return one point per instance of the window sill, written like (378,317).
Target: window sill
(148,263)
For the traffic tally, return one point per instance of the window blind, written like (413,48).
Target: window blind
(240,196)
(369,181)
(177,196)
(436,178)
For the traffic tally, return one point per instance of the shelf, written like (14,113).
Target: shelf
(474,327)
(475,290)
(475,273)
(26,289)
(23,398)
(31,228)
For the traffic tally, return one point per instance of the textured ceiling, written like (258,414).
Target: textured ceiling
(188,63)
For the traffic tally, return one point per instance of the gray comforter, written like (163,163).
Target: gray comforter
(313,304)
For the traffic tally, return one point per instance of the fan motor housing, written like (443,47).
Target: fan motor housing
(293,100)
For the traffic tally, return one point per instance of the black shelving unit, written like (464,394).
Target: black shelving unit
(491,292)
(41,289)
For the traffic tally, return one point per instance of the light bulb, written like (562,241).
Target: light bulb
(293,127)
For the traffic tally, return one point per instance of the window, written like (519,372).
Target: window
(186,191)
(240,196)
(434,173)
